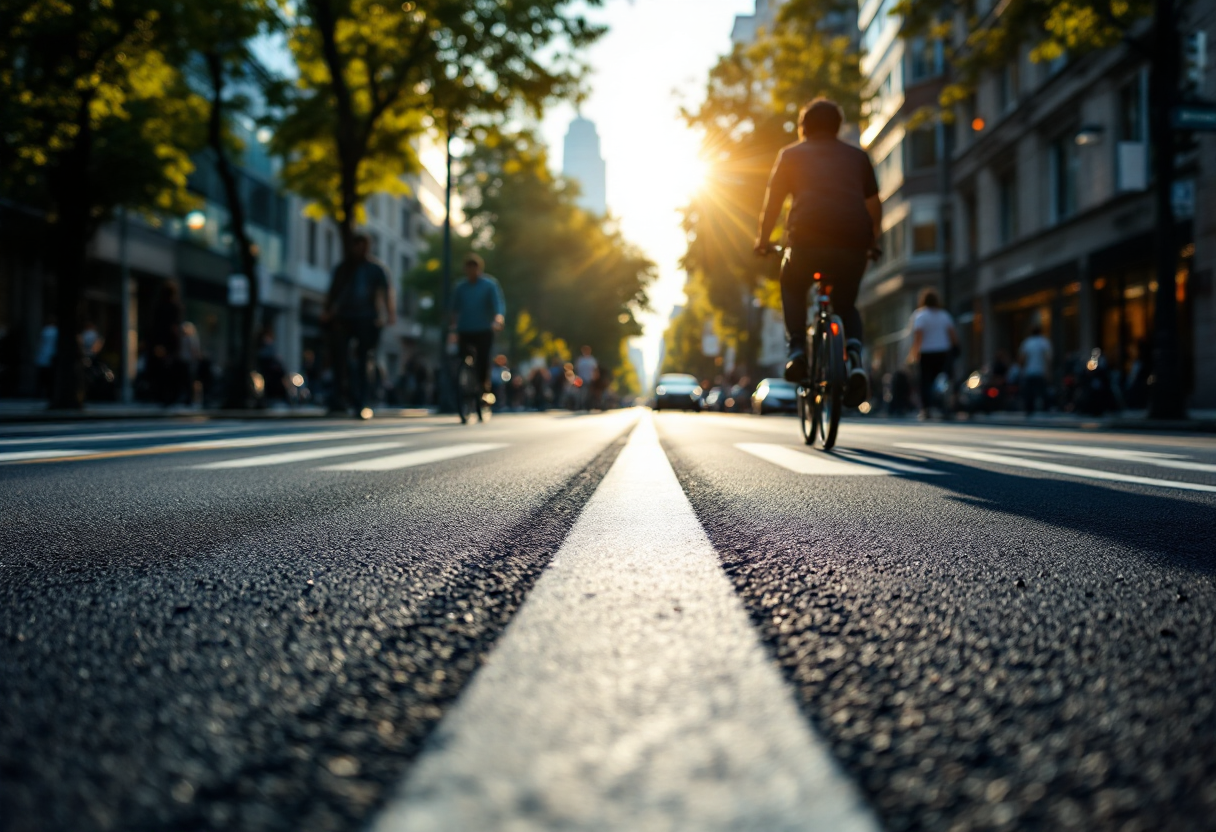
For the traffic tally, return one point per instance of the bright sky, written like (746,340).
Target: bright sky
(655,55)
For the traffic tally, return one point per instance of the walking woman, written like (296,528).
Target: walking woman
(934,342)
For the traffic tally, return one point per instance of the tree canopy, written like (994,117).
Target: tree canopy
(374,75)
(570,277)
(752,97)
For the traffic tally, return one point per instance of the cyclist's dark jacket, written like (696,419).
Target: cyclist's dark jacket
(830,182)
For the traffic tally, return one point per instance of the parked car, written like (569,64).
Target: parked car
(775,395)
(677,391)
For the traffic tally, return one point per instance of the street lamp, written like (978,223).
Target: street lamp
(1089,134)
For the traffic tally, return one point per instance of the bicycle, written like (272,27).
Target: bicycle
(470,390)
(821,392)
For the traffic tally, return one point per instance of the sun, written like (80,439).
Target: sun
(688,175)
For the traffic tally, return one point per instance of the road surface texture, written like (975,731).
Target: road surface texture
(622,621)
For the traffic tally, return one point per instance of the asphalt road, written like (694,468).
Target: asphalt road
(685,622)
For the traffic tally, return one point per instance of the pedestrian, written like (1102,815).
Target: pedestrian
(586,368)
(44,359)
(934,341)
(191,359)
(165,345)
(1035,358)
(359,304)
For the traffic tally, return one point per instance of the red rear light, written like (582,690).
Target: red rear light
(835,328)
(993,392)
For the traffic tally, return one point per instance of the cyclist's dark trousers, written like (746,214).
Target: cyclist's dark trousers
(842,270)
(479,344)
(366,335)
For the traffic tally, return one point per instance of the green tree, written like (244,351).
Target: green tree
(95,116)
(570,277)
(373,75)
(748,114)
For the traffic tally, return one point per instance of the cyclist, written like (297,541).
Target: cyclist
(478,311)
(834,222)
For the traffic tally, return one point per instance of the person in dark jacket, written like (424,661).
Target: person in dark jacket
(360,303)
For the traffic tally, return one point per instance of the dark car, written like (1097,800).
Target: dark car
(775,395)
(677,391)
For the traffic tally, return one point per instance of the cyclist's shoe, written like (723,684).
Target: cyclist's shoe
(795,366)
(857,388)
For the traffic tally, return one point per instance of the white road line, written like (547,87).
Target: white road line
(629,694)
(1053,468)
(111,437)
(17,456)
(1176,461)
(297,456)
(816,463)
(412,458)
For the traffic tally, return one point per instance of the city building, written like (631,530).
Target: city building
(903,76)
(583,162)
(1054,218)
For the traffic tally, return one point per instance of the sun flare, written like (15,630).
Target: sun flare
(688,175)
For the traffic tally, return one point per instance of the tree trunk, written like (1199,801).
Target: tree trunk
(241,364)
(1167,398)
(73,228)
(349,149)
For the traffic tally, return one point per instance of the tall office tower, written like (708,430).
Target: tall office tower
(581,160)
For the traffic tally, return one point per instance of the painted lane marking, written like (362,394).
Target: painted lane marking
(838,463)
(297,456)
(110,437)
(629,692)
(412,458)
(1175,461)
(1053,468)
(224,444)
(29,456)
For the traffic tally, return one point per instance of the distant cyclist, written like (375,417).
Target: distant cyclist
(834,222)
(478,311)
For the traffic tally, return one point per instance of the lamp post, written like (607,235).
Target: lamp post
(444,397)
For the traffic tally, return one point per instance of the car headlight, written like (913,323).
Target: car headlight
(660,390)
(696,391)
(761,395)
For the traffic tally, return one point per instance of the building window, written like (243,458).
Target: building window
(922,148)
(329,248)
(889,172)
(407,266)
(1007,86)
(312,242)
(1062,187)
(407,224)
(1132,105)
(1007,206)
(924,229)
(375,245)
(894,241)
(971,214)
(925,59)
(879,26)
(373,205)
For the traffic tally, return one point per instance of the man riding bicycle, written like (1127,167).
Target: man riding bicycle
(834,222)
(478,310)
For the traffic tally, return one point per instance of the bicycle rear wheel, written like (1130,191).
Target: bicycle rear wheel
(829,383)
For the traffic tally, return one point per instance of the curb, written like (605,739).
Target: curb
(125,414)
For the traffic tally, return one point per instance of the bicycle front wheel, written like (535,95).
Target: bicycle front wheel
(829,383)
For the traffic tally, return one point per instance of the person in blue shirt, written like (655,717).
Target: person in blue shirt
(478,310)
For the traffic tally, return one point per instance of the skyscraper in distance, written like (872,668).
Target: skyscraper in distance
(581,161)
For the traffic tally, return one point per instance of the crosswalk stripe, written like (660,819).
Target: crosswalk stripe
(889,464)
(297,456)
(412,458)
(818,464)
(631,668)
(1175,461)
(1054,468)
(19,456)
(109,437)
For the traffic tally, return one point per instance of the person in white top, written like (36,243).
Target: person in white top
(1035,358)
(933,342)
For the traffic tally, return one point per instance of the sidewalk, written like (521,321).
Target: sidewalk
(1198,421)
(35,410)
